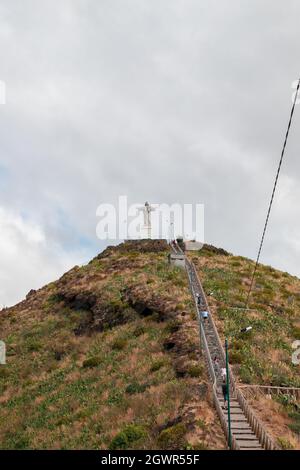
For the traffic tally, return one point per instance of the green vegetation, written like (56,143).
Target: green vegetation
(295,424)
(173,437)
(136,387)
(285,444)
(87,365)
(92,361)
(157,365)
(195,370)
(262,356)
(292,409)
(128,437)
(119,344)
(85,370)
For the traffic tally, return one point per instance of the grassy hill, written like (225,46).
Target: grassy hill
(108,356)
(263,356)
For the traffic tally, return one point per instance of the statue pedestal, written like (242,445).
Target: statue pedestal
(146,231)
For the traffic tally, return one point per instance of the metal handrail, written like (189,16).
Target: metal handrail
(266,441)
(270,389)
(220,412)
(211,370)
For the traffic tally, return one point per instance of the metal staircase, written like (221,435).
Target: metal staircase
(247,432)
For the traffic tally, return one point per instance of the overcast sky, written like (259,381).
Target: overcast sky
(163,100)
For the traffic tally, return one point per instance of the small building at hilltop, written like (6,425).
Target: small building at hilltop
(177,259)
(192,245)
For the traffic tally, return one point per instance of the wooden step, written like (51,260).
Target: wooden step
(251,448)
(238,419)
(245,437)
(235,411)
(250,436)
(243,432)
(237,425)
(233,404)
(247,444)
(250,443)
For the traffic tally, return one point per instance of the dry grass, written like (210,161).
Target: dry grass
(63,390)
(265,355)
(276,419)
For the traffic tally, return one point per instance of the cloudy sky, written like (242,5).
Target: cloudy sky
(168,101)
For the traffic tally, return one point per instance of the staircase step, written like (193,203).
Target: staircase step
(241,425)
(233,403)
(244,437)
(247,444)
(250,442)
(235,411)
(251,448)
(238,418)
(243,432)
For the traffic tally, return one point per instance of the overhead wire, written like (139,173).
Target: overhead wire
(273,193)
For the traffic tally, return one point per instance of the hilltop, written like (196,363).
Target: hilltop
(108,356)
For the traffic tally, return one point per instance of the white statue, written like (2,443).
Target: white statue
(147,209)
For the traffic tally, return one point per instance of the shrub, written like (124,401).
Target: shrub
(295,427)
(195,370)
(279,379)
(156,365)
(92,362)
(173,437)
(236,357)
(295,332)
(155,316)
(246,375)
(173,325)
(285,444)
(53,299)
(284,399)
(119,344)
(120,441)
(117,305)
(201,424)
(235,263)
(134,432)
(124,439)
(33,345)
(3,372)
(180,306)
(135,387)
(138,331)
(59,353)
(17,440)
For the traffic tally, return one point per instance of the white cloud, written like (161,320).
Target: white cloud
(168,101)
(28,260)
